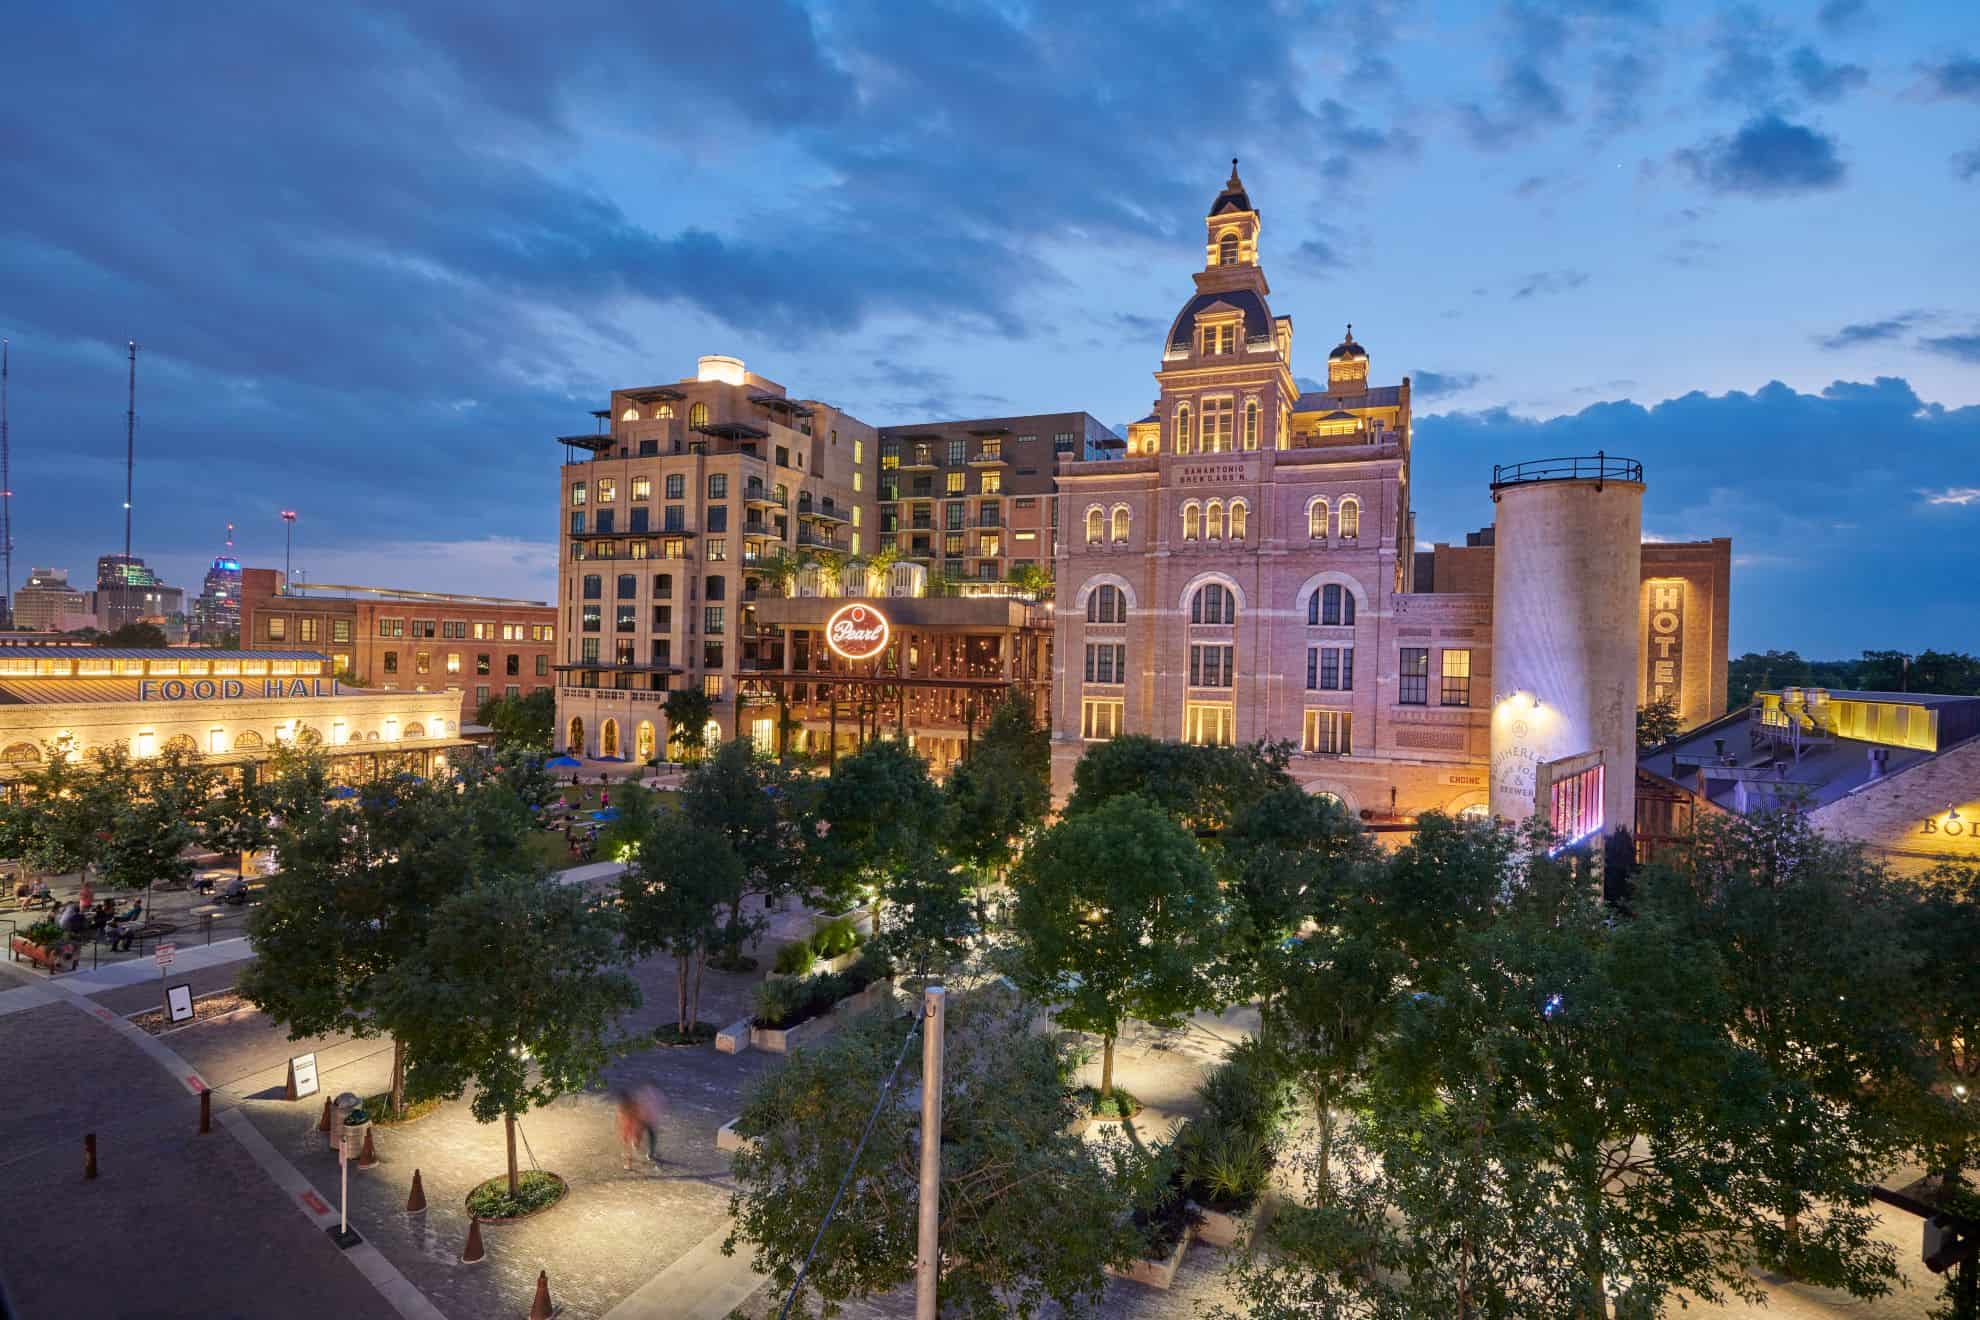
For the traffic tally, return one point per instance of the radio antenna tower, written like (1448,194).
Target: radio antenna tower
(6,490)
(230,536)
(130,468)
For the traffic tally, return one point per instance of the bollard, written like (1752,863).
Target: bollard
(89,1155)
(323,1124)
(472,1252)
(289,1087)
(367,1158)
(540,1308)
(417,1201)
(205,1112)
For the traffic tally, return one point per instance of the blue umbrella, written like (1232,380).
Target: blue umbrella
(564,762)
(343,791)
(612,758)
(609,813)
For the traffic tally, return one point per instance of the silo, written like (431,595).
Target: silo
(1566,582)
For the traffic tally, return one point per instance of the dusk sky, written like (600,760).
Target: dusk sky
(377,259)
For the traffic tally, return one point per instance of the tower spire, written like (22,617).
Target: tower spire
(1234,184)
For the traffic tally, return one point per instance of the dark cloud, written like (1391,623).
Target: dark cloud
(1427,385)
(1691,253)
(1767,157)
(1836,15)
(1966,164)
(1955,79)
(1545,282)
(1870,332)
(1354,142)
(1528,103)
(1319,255)
(1699,453)
(1961,348)
(1744,69)
(1822,81)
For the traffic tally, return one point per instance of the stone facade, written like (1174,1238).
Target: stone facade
(1917,818)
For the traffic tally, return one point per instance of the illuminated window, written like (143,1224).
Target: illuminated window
(993,483)
(663,412)
(1096,525)
(1316,520)
(1106,604)
(1227,248)
(629,415)
(1182,437)
(1457,679)
(1414,682)
(698,416)
(278,628)
(1350,518)
(1120,524)
(422,662)
(1192,522)
(642,488)
(1213,603)
(1213,517)
(608,491)
(1328,733)
(1238,518)
(453,662)
(955,482)
(577,492)
(1210,723)
(1211,666)
(1100,720)
(1332,606)
(1251,424)
(306,629)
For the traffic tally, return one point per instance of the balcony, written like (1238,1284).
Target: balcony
(919,462)
(823,513)
(817,540)
(757,497)
(988,458)
(757,527)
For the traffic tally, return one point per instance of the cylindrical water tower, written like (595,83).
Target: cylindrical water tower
(1566,582)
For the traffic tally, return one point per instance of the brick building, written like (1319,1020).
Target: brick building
(411,641)
(977,499)
(671,517)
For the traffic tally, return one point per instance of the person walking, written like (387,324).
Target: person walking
(639,1125)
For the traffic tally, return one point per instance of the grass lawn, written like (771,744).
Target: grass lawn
(550,849)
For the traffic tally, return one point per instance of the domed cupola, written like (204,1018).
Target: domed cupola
(1347,366)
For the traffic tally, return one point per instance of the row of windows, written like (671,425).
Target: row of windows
(1207,523)
(1328,669)
(626,586)
(1414,677)
(1324,732)
(1213,432)
(422,663)
(275,628)
(1347,523)
(1214,603)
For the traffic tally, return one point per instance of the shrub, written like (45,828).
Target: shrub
(1163,1214)
(784,1004)
(795,959)
(538,1190)
(872,965)
(1224,1168)
(1247,1093)
(777,1002)
(834,938)
(46,933)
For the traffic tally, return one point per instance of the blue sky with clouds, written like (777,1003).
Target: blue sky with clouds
(378,258)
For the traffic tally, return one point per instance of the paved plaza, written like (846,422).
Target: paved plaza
(230,1223)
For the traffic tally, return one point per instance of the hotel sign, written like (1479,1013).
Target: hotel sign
(1664,672)
(857,632)
(234,689)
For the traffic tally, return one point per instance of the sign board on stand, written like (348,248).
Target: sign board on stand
(164,954)
(303,1069)
(178,1001)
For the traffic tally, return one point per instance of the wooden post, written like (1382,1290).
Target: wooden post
(205,1112)
(89,1156)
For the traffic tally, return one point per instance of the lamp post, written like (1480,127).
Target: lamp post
(288,544)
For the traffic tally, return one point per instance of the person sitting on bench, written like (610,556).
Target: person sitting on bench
(122,934)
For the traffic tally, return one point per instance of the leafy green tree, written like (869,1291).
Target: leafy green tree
(236,819)
(779,570)
(671,897)
(515,991)
(754,805)
(1034,578)
(1003,791)
(872,819)
(1657,723)
(156,811)
(928,917)
(135,637)
(1031,1215)
(688,712)
(56,819)
(1817,963)
(1118,916)
(1945,1015)
(521,724)
(1288,857)
(1202,787)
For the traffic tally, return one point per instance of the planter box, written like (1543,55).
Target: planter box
(821,967)
(733,1039)
(881,994)
(1226,1230)
(1156,1273)
(782,1040)
(61,958)
(727,1138)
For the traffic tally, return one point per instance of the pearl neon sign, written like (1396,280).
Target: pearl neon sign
(857,632)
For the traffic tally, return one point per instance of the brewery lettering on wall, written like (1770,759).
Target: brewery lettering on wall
(857,632)
(1665,675)
(1953,825)
(233,689)
(1210,474)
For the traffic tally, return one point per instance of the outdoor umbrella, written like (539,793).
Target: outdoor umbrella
(609,813)
(343,791)
(563,762)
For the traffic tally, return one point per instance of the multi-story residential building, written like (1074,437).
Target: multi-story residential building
(410,641)
(1245,573)
(671,518)
(47,603)
(978,499)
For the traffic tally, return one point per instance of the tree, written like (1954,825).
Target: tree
(779,570)
(872,819)
(1287,858)
(1034,578)
(521,724)
(155,809)
(688,712)
(1030,1213)
(236,819)
(670,901)
(1657,723)
(754,805)
(1816,963)
(135,637)
(1118,916)
(1202,787)
(1945,999)
(928,917)
(57,818)
(513,991)
(1002,792)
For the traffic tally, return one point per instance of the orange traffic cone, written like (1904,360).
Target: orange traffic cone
(323,1124)
(417,1201)
(367,1158)
(540,1308)
(472,1252)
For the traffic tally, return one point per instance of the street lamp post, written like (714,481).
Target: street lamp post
(288,545)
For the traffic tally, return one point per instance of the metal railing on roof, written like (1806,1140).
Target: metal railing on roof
(1597,467)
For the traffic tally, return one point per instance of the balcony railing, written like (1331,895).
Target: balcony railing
(1597,467)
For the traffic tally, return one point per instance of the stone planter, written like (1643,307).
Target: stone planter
(727,1138)
(734,1038)
(821,967)
(1219,1229)
(1156,1273)
(881,994)
(782,1040)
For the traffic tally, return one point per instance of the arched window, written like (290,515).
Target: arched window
(247,741)
(1251,424)
(1213,603)
(643,742)
(1120,524)
(698,416)
(1106,604)
(1192,522)
(1096,525)
(1227,248)
(608,738)
(663,412)
(308,735)
(413,730)
(629,415)
(180,742)
(1332,605)
(1239,515)
(1316,520)
(1350,518)
(1213,521)
(21,753)
(1182,429)
(574,744)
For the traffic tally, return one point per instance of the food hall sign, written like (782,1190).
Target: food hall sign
(234,689)
(857,632)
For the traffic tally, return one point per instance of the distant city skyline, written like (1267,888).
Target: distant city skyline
(1730,241)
